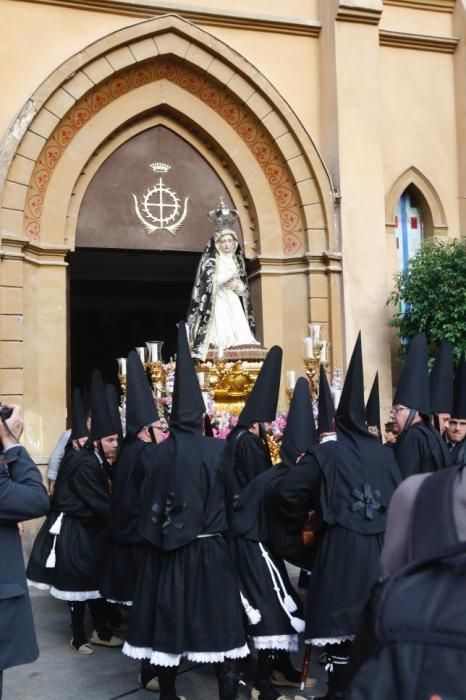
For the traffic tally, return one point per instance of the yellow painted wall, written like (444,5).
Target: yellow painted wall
(419,122)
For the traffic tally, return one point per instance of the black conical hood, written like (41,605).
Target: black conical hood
(373,405)
(141,408)
(101,417)
(114,405)
(326,407)
(413,387)
(188,405)
(79,427)
(300,432)
(459,393)
(261,404)
(441,380)
(351,414)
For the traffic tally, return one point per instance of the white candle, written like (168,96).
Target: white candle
(219,352)
(200,376)
(291,379)
(308,345)
(336,397)
(141,351)
(122,366)
(314,331)
(324,351)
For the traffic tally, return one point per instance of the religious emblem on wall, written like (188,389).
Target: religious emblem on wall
(160,207)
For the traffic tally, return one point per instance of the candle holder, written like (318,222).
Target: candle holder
(290,384)
(316,353)
(157,370)
(122,374)
(141,351)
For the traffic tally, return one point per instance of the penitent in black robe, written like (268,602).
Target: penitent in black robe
(355,482)
(263,576)
(125,544)
(187,597)
(82,496)
(420,449)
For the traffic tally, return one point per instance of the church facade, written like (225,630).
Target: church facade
(336,128)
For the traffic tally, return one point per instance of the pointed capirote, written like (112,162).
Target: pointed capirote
(373,405)
(413,387)
(141,408)
(459,391)
(351,414)
(325,406)
(79,427)
(114,405)
(441,380)
(102,424)
(300,433)
(261,404)
(188,405)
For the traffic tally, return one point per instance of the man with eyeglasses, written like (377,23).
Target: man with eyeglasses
(419,447)
(455,434)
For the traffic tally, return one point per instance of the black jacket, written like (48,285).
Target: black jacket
(22,497)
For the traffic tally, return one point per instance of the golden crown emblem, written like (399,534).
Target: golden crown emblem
(160,167)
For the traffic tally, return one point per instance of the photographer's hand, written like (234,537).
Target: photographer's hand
(11,429)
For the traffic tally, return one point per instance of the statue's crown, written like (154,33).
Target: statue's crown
(160,167)
(223,217)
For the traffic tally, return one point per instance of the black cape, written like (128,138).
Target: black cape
(421,449)
(82,494)
(125,546)
(353,495)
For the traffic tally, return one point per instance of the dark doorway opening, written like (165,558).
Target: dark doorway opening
(119,299)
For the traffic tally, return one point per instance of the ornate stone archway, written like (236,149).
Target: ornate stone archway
(166,65)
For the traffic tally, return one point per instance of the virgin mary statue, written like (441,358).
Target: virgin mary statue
(220,312)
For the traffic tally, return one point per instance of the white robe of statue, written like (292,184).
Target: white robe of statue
(229,325)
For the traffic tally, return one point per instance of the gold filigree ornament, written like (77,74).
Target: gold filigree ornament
(160,207)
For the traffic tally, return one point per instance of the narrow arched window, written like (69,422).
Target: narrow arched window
(413,224)
(409,233)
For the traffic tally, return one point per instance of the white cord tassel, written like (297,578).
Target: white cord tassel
(290,604)
(51,559)
(279,586)
(54,530)
(56,527)
(297,624)
(254,615)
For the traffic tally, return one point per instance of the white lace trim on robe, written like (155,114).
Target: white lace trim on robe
(284,642)
(323,641)
(160,658)
(36,584)
(74,595)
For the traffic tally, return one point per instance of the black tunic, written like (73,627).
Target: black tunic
(458,453)
(125,544)
(82,495)
(420,449)
(355,484)
(187,600)
(264,579)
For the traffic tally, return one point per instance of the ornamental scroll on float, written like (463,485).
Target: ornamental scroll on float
(160,206)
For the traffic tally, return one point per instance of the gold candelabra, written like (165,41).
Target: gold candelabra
(316,353)
(158,376)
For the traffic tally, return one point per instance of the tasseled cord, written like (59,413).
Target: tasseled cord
(54,530)
(254,615)
(285,600)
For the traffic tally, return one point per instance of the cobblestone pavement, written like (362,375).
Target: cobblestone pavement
(61,674)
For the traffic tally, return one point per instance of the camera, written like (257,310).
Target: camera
(5,412)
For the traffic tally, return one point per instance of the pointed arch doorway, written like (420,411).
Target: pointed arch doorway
(142,225)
